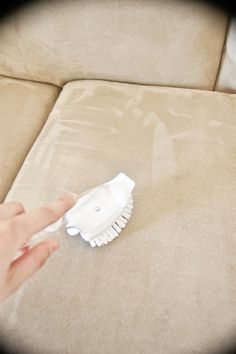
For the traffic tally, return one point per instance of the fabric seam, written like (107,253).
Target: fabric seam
(222,54)
(30,80)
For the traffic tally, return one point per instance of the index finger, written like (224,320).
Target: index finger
(23,226)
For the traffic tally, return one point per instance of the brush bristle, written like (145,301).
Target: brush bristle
(115,229)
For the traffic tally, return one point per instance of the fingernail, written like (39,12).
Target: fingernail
(71,195)
(53,246)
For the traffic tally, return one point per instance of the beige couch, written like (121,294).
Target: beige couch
(92,88)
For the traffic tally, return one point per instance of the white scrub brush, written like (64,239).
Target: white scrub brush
(101,214)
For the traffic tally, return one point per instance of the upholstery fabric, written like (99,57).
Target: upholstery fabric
(168,283)
(165,42)
(227,75)
(24,108)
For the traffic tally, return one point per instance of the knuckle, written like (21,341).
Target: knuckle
(18,207)
(49,212)
(8,231)
(7,228)
(12,227)
(39,260)
(15,227)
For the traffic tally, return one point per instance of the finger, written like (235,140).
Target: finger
(25,225)
(20,252)
(8,210)
(26,265)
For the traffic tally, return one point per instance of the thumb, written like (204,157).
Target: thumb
(26,265)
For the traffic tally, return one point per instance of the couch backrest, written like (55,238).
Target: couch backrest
(159,42)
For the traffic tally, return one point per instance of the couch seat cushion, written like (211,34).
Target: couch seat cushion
(168,283)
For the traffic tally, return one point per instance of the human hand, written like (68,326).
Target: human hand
(16,228)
